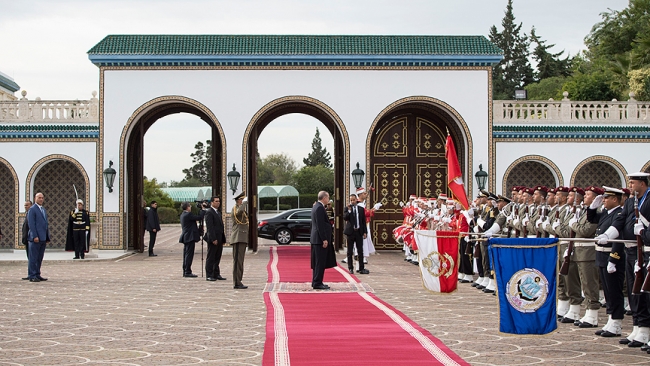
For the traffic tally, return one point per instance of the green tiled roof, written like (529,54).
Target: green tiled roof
(8,84)
(293,45)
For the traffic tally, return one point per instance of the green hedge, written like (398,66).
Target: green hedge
(169,215)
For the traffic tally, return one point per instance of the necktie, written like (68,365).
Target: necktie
(356,217)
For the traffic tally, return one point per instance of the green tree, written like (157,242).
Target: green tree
(546,88)
(593,86)
(192,182)
(514,71)
(548,64)
(276,169)
(318,154)
(201,171)
(640,83)
(153,192)
(312,179)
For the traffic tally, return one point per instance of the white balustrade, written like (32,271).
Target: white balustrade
(24,111)
(566,111)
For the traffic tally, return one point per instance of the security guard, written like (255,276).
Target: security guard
(78,236)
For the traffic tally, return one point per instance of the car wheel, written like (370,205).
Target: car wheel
(283,236)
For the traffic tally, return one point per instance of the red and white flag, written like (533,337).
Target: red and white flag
(438,259)
(454,175)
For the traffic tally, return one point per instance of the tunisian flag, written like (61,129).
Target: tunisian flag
(454,175)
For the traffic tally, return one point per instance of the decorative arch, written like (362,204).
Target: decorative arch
(10,211)
(314,108)
(29,183)
(465,134)
(646,167)
(617,167)
(555,171)
(131,143)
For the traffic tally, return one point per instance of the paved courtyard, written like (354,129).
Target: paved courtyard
(139,310)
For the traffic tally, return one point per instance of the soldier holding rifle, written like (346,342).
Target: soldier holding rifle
(569,268)
(623,227)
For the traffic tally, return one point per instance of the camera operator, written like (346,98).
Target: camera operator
(191,234)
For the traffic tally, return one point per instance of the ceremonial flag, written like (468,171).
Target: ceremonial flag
(454,175)
(438,252)
(526,273)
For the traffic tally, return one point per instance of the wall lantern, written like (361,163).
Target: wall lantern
(233,179)
(357,176)
(109,176)
(481,177)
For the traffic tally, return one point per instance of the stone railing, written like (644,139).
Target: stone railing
(24,111)
(567,111)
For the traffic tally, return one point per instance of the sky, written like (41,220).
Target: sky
(43,44)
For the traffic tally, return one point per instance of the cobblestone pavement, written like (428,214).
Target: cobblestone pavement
(139,310)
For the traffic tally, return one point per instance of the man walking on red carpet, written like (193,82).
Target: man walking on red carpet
(322,250)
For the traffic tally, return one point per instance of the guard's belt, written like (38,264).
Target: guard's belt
(603,249)
(584,244)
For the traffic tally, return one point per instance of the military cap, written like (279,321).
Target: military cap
(596,190)
(626,191)
(529,190)
(483,193)
(609,191)
(515,188)
(541,188)
(412,197)
(442,196)
(639,176)
(578,190)
(552,190)
(492,197)
(562,189)
(503,199)
(241,195)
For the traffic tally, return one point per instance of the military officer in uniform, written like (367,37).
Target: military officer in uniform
(78,235)
(239,239)
(535,213)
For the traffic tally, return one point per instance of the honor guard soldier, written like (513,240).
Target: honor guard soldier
(553,227)
(547,214)
(537,210)
(610,259)
(78,236)
(584,254)
(504,205)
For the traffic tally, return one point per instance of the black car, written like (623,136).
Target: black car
(289,225)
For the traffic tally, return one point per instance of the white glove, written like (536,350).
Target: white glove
(480,222)
(638,227)
(547,225)
(401,204)
(525,221)
(476,229)
(466,238)
(636,267)
(572,221)
(566,253)
(436,217)
(515,222)
(446,220)
(598,201)
(602,239)
(611,267)
(539,222)
(245,199)
(488,234)
(555,225)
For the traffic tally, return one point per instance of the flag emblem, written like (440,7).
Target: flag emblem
(439,264)
(527,290)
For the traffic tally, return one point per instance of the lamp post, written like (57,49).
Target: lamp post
(481,177)
(357,176)
(109,176)
(233,179)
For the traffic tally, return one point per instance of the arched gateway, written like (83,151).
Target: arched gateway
(349,83)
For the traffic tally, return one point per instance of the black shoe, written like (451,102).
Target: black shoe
(42,278)
(190,275)
(566,320)
(576,323)
(82,257)
(465,281)
(75,258)
(34,280)
(645,347)
(364,271)
(210,279)
(480,287)
(220,278)
(488,291)
(628,312)
(25,278)
(416,262)
(153,255)
(586,325)
(321,287)
(240,287)
(351,270)
(635,344)
(623,341)
(609,334)
(599,332)
(474,284)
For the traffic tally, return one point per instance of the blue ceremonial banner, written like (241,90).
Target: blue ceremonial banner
(526,276)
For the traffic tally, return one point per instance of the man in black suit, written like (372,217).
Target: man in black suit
(153,226)
(190,235)
(215,237)
(610,259)
(25,232)
(355,229)
(322,250)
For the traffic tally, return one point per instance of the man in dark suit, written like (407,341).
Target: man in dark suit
(25,232)
(322,250)
(190,235)
(215,237)
(39,237)
(355,229)
(153,226)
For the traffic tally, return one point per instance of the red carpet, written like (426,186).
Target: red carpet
(339,327)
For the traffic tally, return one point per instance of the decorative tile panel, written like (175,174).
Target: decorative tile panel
(7,207)
(111,232)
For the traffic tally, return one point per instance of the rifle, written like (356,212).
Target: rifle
(517,214)
(515,211)
(638,276)
(524,229)
(543,217)
(564,270)
(470,245)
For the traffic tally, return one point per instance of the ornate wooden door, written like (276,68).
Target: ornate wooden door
(407,157)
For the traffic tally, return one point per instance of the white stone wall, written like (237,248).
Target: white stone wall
(234,96)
